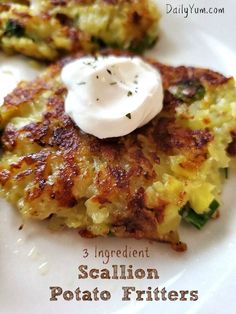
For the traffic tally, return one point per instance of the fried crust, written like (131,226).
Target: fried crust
(57,157)
(48,30)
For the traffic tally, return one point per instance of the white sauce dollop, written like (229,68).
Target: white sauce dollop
(112,96)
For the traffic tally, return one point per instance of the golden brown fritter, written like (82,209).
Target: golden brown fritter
(139,185)
(48,29)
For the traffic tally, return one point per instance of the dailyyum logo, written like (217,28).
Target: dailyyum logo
(186,10)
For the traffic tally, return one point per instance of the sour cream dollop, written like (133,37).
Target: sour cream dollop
(111,96)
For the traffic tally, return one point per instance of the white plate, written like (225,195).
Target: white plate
(33,259)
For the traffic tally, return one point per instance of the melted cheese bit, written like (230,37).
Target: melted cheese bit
(112,96)
(35,5)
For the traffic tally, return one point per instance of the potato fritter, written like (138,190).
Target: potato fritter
(140,185)
(49,29)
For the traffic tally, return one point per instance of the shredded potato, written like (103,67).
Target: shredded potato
(49,29)
(141,185)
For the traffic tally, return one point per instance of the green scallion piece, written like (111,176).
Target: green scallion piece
(198,220)
(225,172)
(14,28)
